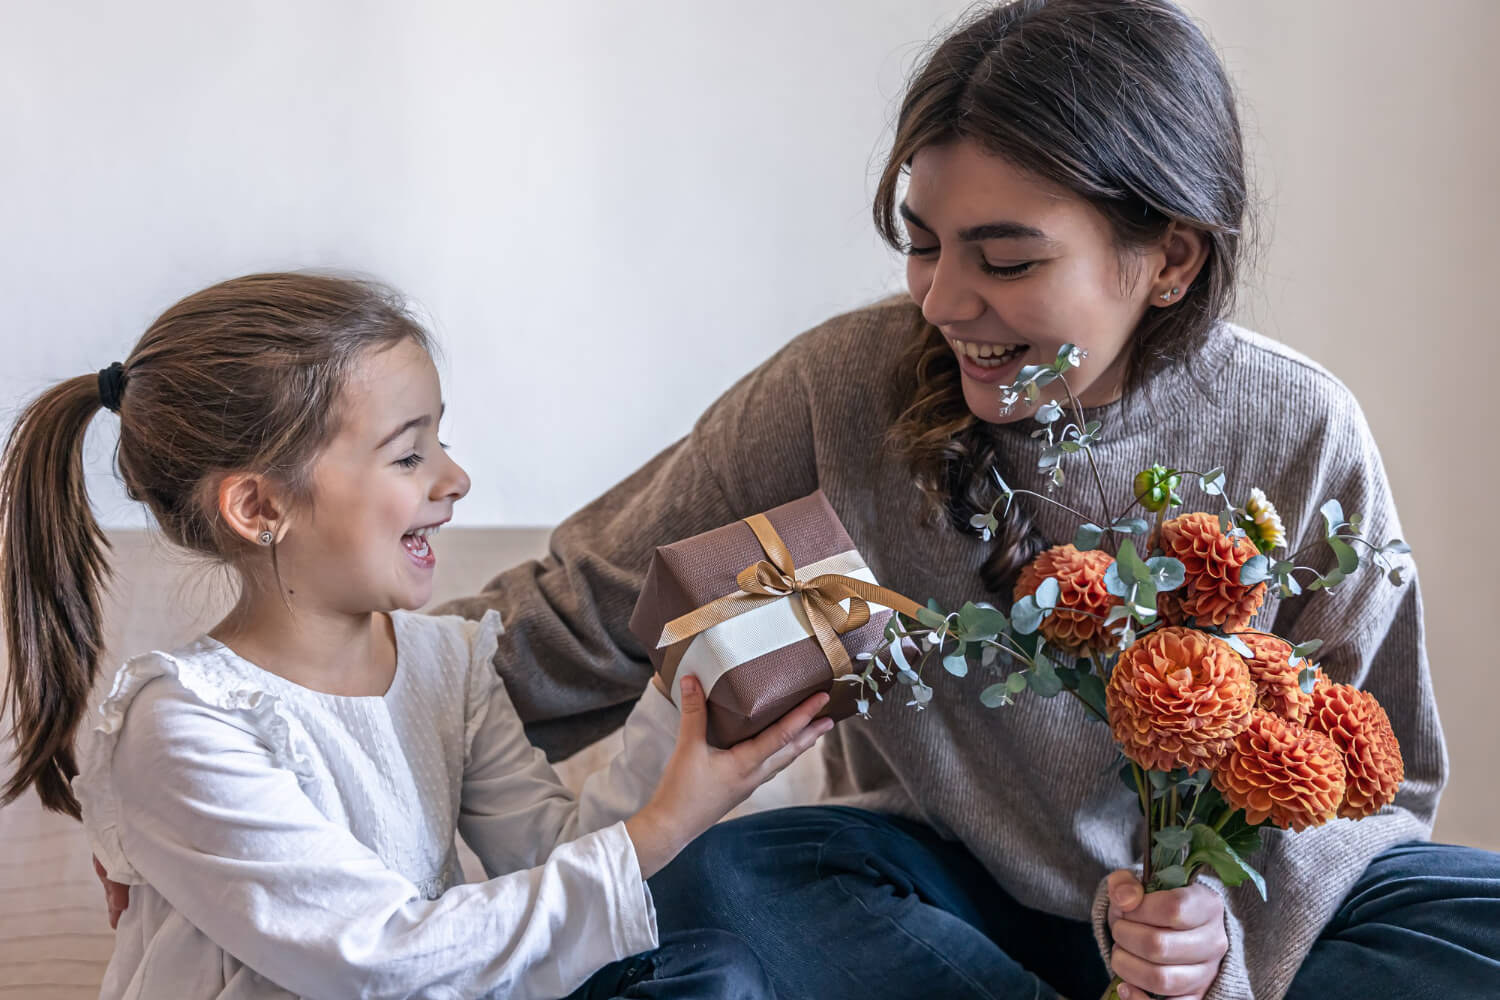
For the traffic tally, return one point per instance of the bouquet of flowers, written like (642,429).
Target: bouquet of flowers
(1222,729)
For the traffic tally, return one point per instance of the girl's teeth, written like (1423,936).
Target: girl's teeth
(416,545)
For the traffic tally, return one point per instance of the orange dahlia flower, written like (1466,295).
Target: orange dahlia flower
(1177,698)
(1358,725)
(1276,687)
(1279,770)
(1212,593)
(1081,576)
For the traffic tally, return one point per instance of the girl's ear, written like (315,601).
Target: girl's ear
(1183,252)
(252,508)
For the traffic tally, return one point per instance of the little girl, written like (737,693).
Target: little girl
(282,794)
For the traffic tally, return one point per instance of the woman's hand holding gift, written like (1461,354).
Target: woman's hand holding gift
(1169,942)
(701,784)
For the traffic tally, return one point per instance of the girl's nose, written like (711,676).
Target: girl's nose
(949,298)
(453,484)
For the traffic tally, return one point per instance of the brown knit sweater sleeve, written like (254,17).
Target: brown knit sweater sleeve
(567,657)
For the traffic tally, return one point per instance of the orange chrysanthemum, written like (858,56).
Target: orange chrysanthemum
(1279,770)
(1276,687)
(1081,576)
(1358,725)
(1177,698)
(1212,593)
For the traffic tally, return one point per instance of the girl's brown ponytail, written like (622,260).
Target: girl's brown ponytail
(53,560)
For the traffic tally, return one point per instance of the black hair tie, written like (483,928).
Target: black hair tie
(112,386)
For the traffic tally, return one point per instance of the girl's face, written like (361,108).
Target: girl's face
(1010,267)
(379,487)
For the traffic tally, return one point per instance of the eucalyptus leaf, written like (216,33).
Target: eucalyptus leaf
(898,657)
(1114,582)
(1166,573)
(931,617)
(1048,592)
(1044,682)
(1016,683)
(1307,679)
(956,663)
(1303,650)
(1057,476)
(1395,547)
(1333,516)
(1025,615)
(1212,482)
(1257,569)
(1048,413)
(1348,558)
(994,696)
(1238,645)
(1116,613)
(1088,537)
(1131,526)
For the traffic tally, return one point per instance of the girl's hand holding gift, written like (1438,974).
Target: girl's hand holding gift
(1169,943)
(701,784)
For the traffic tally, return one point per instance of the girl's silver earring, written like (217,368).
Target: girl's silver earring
(266,538)
(1167,296)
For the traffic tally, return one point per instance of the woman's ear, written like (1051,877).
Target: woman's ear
(1183,252)
(252,509)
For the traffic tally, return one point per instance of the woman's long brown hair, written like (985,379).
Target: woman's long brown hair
(1126,104)
(243,376)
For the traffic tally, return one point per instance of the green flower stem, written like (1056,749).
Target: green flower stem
(1142,787)
(1031,493)
(1089,451)
(1229,811)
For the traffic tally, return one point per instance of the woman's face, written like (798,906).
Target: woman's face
(1010,267)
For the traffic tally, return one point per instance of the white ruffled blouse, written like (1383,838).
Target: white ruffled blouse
(281,842)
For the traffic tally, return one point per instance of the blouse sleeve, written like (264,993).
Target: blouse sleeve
(515,809)
(229,840)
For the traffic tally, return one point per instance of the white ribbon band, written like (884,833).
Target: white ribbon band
(714,652)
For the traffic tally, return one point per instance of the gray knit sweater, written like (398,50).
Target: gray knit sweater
(1028,788)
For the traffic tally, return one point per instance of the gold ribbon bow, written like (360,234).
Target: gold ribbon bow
(774,579)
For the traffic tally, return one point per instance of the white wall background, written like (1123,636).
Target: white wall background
(612,210)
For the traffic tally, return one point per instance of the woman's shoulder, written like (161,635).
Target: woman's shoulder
(1278,379)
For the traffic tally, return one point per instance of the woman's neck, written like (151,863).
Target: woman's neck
(334,652)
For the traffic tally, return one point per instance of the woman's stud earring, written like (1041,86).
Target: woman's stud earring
(266,538)
(1167,296)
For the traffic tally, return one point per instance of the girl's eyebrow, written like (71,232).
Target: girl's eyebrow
(423,421)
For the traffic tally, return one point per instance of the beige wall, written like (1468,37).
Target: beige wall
(1373,124)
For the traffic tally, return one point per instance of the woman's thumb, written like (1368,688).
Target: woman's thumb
(694,711)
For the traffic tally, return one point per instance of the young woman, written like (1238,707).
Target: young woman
(282,794)
(1075,173)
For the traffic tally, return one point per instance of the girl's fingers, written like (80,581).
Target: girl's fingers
(800,744)
(782,733)
(693,729)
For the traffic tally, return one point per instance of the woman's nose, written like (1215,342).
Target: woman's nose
(950,298)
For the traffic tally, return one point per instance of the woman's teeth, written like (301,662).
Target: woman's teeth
(988,355)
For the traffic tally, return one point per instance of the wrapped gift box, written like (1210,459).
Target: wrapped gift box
(723,607)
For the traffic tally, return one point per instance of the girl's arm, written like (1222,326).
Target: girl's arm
(516,809)
(232,843)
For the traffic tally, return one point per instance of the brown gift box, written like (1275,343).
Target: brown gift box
(761,658)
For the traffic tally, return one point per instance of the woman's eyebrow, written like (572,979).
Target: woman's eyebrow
(1005,230)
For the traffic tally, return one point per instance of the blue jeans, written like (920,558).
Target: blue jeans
(841,902)
(689,965)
